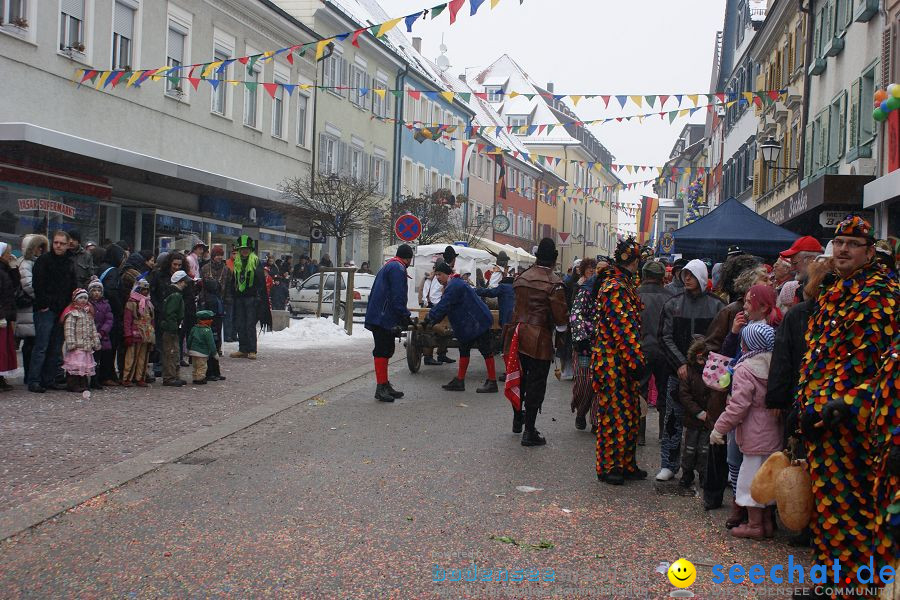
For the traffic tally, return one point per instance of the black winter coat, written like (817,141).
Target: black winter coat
(9,281)
(654,296)
(54,282)
(790,348)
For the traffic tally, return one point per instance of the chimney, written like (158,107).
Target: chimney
(462,77)
(550,87)
(417,44)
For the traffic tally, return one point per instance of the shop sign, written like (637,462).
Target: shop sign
(829,219)
(44,205)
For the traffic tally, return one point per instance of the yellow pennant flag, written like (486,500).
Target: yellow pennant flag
(683,112)
(210,68)
(448,96)
(306,86)
(320,48)
(102,79)
(133,78)
(693,98)
(637,100)
(576,99)
(268,54)
(159,74)
(78,75)
(748,96)
(380,93)
(387,26)
(235,82)
(513,95)
(494,4)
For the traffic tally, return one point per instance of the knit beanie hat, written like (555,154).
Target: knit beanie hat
(546,251)
(854,226)
(217,251)
(177,276)
(77,294)
(95,283)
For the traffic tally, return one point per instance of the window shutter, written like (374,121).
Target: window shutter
(808,150)
(322,154)
(757,178)
(817,35)
(778,71)
(345,160)
(123,21)
(792,39)
(176,46)
(886,39)
(824,137)
(842,124)
(74,8)
(345,77)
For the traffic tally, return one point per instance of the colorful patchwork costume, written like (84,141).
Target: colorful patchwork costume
(848,334)
(617,362)
(885,430)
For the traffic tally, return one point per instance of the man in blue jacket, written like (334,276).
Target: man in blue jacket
(385,312)
(506,300)
(471,321)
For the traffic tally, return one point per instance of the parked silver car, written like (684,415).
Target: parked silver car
(304,297)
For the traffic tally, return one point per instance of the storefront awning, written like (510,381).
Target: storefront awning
(882,189)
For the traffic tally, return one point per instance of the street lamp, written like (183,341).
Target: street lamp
(771,151)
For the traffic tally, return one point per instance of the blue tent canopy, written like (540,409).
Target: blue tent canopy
(729,224)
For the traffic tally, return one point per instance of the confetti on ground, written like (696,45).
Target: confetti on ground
(542,545)
(527,489)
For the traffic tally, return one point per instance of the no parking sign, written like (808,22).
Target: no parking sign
(408,228)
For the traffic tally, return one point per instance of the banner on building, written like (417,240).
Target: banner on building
(44,205)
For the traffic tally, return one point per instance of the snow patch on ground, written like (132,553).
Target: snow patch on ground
(310,333)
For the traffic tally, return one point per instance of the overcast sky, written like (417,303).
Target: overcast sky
(590,47)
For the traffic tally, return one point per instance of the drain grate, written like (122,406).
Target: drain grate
(195,460)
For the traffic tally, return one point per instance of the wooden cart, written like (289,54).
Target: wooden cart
(419,337)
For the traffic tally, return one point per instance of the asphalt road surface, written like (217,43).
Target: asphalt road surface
(344,497)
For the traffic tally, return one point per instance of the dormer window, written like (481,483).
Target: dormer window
(517,120)
(494,93)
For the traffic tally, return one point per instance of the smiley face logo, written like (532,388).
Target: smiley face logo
(682,573)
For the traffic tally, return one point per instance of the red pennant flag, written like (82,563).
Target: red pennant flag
(290,54)
(355,40)
(271,88)
(721,96)
(482,95)
(774,94)
(88,74)
(454,7)
(243,60)
(619,119)
(194,82)
(662,101)
(541,129)
(481,147)
(115,79)
(415,94)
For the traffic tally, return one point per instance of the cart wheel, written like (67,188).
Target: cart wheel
(413,352)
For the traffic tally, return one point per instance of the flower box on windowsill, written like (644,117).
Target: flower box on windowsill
(19,22)
(818,66)
(834,47)
(867,9)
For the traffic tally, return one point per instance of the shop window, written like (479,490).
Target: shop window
(28,209)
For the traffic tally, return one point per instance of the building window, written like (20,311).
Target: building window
(11,10)
(358,80)
(302,116)
(123,36)
(837,124)
(494,93)
(380,105)
(251,94)
(329,154)
(866,122)
(357,163)
(333,73)
(278,106)
(517,120)
(378,173)
(175,56)
(71,24)
(219,98)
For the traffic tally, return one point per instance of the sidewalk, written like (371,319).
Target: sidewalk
(56,438)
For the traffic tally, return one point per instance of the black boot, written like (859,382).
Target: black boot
(532,437)
(392,391)
(635,475)
(382,393)
(431,362)
(518,420)
(4,386)
(501,377)
(445,359)
(455,385)
(614,477)
(489,387)
(72,383)
(580,422)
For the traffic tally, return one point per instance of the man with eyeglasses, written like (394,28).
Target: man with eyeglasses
(853,324)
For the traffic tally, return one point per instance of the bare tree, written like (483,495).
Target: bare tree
(443,218)
(471,231)
(340,205)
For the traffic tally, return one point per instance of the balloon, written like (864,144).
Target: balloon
(884,107)
(880,95)
(879,115)
(893,103)
(896,92)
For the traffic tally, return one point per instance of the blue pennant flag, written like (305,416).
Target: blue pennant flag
(410,20)
(475,4)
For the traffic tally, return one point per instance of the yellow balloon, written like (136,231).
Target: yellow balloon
(894,90)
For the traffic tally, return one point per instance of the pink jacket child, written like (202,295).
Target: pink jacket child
(758,431)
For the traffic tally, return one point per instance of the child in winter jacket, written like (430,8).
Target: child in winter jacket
(201,345)
(694,396)
(140,334)
(103,320)
(212,301)
(170,324)
(81,340)
(758,430)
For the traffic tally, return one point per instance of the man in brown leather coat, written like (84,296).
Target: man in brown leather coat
(540,309)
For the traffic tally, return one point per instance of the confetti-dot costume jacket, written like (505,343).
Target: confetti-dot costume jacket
(616,361)
(885,431)
(850,330)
